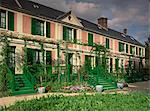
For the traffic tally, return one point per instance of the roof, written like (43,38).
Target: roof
(36,9)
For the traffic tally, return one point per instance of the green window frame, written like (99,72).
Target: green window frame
(3,19)
(69,34)
(48,29)
(121,47)
(90,39)
(37,27)
(107,43)
(127,48)
(11,21)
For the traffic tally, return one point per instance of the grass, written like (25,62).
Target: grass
(98,102)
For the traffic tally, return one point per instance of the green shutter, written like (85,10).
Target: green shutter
(75,36)
(119,47)
(126,48)
(33,25)
(117,64)
(48,29)
(11,21)
(64,33)
(107,43)
(90,39)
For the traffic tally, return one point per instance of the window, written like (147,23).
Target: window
(48,29)
(34,56)
(69,34)
(37,27)
(2,19)
(126,48)
(90,39)
(132,49)
(89,61)
(121,47)
(107,43)
(11,21)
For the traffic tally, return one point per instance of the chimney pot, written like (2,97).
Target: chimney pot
(103,22)
(125,31)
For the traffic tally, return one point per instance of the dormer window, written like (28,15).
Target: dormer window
(35,6)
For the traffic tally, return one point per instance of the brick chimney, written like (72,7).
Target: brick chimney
(103,22)
(125,31)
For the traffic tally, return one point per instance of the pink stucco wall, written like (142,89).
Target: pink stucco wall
(83,58)
(96,38)
(111,43)
(53,55)
(26,24)
(15,21)
(53,30)
(116,45)
(84,37)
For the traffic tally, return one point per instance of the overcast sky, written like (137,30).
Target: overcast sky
(131,14)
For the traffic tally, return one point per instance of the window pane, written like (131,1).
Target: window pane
(2,19)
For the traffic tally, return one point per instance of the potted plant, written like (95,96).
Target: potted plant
(120,83)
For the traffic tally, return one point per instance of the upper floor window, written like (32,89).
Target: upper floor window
(37,27)
(90,39)
(69,34)
(2,19)
(107,43)
(132,49)
(126,48)
(121,47)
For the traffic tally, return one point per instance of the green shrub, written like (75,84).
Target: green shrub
(98,102)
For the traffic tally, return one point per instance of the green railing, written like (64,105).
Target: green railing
(29,76)
(12,80)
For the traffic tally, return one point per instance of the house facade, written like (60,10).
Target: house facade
(62,33)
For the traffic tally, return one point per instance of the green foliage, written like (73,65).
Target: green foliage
(6,76)
(98,102)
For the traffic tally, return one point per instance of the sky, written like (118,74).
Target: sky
(131,14)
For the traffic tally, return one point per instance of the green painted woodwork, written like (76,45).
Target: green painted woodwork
(64,33)
(121,47)
(90,39)
(132,49)
(117,64)
(126,48)
(22,85)
(107,43)
(75,36)
(11,21)
(48,29)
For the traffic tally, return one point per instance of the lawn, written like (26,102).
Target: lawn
(98,102)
